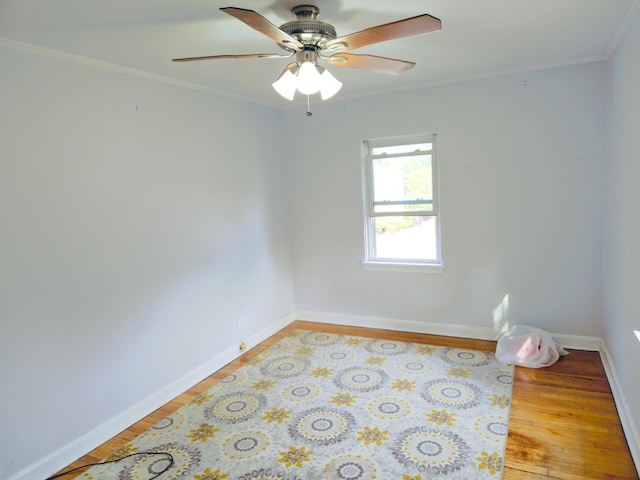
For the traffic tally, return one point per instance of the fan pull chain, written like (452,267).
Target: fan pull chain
(308,107)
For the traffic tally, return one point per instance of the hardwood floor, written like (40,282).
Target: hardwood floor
(563,422)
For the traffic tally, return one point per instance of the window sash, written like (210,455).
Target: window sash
(430,150)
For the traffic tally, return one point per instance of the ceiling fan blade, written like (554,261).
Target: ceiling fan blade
(402,28)
(264,26)
(371,62)
(222,57)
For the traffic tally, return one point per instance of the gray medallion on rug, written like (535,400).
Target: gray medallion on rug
(329,406)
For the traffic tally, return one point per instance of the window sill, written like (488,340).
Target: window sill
(404,267)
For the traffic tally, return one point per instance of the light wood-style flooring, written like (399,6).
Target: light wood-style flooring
(563,422)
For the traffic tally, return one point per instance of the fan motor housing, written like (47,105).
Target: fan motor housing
(306,29)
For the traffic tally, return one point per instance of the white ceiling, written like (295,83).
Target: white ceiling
(478,38)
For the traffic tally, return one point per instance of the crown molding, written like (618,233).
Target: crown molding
(112,67)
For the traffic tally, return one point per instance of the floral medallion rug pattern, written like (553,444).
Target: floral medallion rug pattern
(328,406)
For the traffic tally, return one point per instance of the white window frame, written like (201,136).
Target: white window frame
(371,260)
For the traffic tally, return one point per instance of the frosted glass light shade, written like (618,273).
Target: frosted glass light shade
(308,78)
(286,85)
(329,85)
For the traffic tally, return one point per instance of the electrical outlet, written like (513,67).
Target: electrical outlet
(243,347)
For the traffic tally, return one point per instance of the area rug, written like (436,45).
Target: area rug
(329,406)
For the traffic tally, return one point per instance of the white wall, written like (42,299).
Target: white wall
(138,223)
(521,166)
(622,239)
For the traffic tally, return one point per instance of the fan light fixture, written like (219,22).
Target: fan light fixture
(307,77)
(309,38)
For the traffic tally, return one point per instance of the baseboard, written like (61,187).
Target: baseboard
(578,342)
(447,329)
(265,333)
(626,419)
(79,447)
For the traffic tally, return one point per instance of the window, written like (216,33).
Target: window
(401,202)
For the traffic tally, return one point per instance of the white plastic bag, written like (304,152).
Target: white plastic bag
(528,347)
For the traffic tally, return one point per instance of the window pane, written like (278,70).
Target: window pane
(406,238)
(402,184)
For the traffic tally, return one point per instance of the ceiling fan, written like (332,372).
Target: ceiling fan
(310,39)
